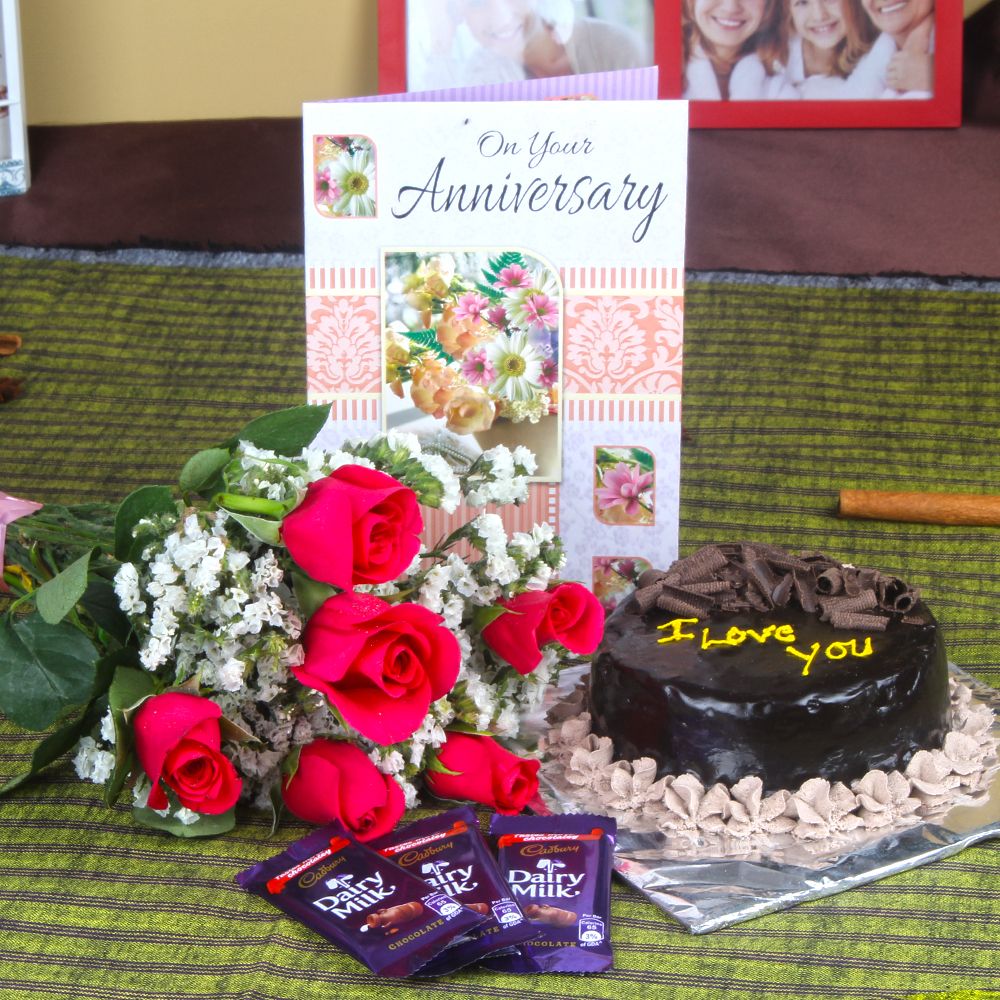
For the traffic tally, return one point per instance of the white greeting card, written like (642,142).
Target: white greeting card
(510,272)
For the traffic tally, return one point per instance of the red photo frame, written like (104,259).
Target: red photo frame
(941,109)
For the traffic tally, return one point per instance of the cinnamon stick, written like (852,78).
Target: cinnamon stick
(923,508)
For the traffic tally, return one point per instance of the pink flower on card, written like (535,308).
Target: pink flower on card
(623,486)
(514,276)
(550,373)
(477,369)
(327,189)
(541,310)
(497,316)
(471,306)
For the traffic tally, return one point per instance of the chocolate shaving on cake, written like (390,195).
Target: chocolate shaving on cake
(858,620)
(864,601)
(783,591)
(683,602)
(742,575)
(830,582)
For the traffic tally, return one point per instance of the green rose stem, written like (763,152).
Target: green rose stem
(240,504)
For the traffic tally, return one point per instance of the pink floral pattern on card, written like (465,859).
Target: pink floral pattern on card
(343,345)
(622,344)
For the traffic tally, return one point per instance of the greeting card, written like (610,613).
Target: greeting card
(510,272)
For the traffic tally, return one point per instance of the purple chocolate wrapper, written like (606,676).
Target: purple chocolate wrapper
(559,871)
(386,918)
(449,853)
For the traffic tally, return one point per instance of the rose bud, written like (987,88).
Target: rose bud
(357,525)
(379,664)
(574,618)
(335,780)
(177,740)
(568,614)
(513,635)
(485,773)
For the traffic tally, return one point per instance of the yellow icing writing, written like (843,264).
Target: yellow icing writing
(676,635)
(782,633)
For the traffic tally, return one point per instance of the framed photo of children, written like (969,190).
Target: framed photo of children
(812,63)
(742,63)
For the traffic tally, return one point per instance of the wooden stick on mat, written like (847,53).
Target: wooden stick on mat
(925,508)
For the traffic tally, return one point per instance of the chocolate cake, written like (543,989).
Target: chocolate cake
(744,659)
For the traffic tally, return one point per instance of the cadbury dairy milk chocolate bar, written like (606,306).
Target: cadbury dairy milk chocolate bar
(449,853)
(381,914)
(559,870)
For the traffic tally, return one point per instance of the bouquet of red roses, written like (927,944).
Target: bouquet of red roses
(276,631)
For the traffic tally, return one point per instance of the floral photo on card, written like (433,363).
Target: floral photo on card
(614,578)
(344,167)
(624,485)
(472,350)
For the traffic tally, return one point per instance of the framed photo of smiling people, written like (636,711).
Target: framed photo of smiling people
(444,44)
(812,63)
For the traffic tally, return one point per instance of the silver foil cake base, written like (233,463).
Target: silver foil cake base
(704,891)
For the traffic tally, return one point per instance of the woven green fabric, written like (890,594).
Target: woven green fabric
(790,394)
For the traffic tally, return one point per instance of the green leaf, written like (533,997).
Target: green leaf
(44,670)
(438,768)
(642,458)
(147,501)
(65,738)
(129,687)
(202,473)
(277,808)
(485,615)
(465,727)
(427,339)
(291,763)
(57,597)
(101,603)
(259,527)
(207,826)
(493,294)
(310,593)
(285,432)
(233,732)
(55,745)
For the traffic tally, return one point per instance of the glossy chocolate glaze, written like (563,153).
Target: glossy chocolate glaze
(723,713)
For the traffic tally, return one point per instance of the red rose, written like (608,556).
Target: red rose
(336,781)
(514,634)
(568,614)
(380,665)
(355,526)
(486,773)
(177,740)
(574,618)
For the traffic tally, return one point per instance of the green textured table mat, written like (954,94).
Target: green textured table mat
(791,393)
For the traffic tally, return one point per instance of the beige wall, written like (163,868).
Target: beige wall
(156,60)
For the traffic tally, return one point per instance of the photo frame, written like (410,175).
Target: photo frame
(432,45)
(14,172)
(784,107)
(820,101)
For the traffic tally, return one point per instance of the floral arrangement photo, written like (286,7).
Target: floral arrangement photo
(345,176)
(275,632)
(472,341)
